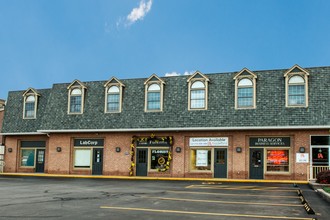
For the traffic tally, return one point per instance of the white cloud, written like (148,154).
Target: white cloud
(139,12)
(186,73)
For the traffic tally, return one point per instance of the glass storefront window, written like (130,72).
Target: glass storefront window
(159,158)
(277,160)
(27,157)
(200,159)
(82,158)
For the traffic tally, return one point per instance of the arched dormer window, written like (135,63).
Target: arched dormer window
(245,89)
(113,96)
(76,97)
(296,87)
(198,91)
(154,89)
(30,104)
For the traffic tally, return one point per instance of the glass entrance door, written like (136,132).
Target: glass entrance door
(142,162)
(220,163)
(97,161)
(40,163)
(256,163)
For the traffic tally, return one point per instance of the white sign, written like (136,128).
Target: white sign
(208,141)
(2,149)
(302,158)
(201,158)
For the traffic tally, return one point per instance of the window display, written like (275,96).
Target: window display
(278,160)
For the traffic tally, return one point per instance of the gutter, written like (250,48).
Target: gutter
(42,132)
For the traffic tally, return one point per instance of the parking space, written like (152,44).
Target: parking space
(60,198)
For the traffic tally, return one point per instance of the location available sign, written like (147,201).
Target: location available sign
(208,141)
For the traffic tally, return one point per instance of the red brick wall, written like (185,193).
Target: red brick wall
(117,164)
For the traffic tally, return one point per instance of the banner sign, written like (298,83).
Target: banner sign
(88,142)
(270,142)
(208,142)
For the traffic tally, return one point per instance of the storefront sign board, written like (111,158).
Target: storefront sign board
(270,142)
(302,158)
(208,142)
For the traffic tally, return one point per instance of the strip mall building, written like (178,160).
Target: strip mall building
(270,124)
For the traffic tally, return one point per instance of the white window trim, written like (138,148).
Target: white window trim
(161,84)
(238,77)
(304,74)
(191,81)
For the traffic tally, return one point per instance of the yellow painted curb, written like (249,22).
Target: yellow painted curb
(152,178)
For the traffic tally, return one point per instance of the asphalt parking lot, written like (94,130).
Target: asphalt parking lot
(69,198)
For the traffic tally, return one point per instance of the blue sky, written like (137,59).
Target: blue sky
(44,42)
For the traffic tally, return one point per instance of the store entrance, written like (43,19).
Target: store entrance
(320,156)
(256,163)
(142,162)
(220,163)
(97,161)
(40,163)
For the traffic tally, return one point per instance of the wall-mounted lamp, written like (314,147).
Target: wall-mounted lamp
(302,149)
(178,149)
(118,149)
(10,150)
(58,149)
(238,149)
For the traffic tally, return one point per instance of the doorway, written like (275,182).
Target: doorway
(142,162)
(220,163)
(40,163)
(256,163)
(97,161)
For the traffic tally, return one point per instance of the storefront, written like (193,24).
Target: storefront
(209,155)
(32,156)
(88,155)
(320,146)
(269,155)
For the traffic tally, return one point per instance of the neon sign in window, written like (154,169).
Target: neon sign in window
(278,160)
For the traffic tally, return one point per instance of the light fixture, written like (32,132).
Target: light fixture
(238,149)
(58,149)
(178,149)
(118,149)
(302,149)
(10,150)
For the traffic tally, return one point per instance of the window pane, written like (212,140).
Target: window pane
(200,159)
(278,160)
(82,158)
(113,102)
(27,157)
(113,89)
(159,158)
(197,99)
(296,95)
(29,109)
(154,87)
(197,84)
(153,101)
(75,105)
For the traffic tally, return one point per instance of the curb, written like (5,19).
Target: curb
(324,195)
(307,207)
(152,178)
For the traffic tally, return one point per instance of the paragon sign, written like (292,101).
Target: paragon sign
(270,142)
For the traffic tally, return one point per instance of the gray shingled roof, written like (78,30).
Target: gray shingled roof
(221,113)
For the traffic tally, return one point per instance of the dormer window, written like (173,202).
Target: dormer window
(76,97)
(296,87)
(154,87)
(245,89)
(198,91)
(197,95)
(113,96)
(75,101)
(30,104)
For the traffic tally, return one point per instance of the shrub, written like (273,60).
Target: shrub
(323,177)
